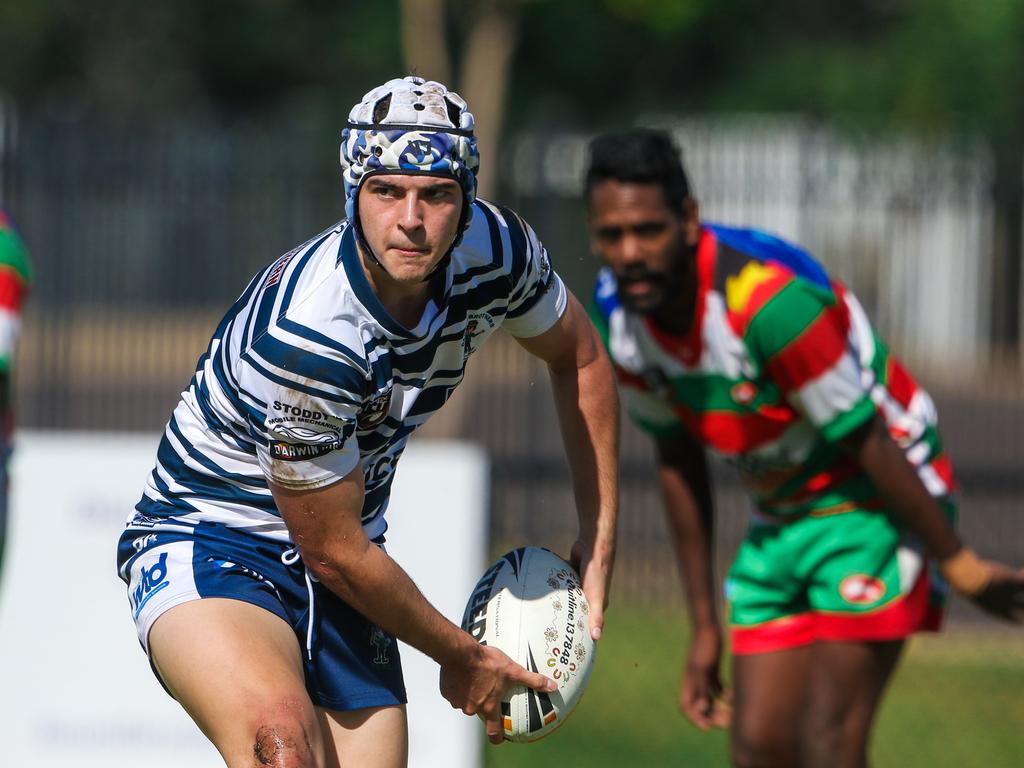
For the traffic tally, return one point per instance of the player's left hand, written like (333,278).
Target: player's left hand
(595,570)
(705,701)
(1003,597)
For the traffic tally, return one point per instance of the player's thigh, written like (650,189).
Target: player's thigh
(845,686)
(237,670)
(375,737)
(769,699)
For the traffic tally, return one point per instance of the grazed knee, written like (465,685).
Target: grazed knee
(283,744)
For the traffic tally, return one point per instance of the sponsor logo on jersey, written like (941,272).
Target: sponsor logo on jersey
(375,410)
(377,470)
(151,580)
(283,451)
(274,276)
(860,589)
(303,433)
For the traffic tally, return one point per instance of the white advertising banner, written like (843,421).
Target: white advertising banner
(76,688)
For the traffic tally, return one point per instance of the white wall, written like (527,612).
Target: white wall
(75,687)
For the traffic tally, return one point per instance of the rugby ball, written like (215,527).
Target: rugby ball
(530,605)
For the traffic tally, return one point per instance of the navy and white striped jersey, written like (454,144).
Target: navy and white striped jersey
(307,375)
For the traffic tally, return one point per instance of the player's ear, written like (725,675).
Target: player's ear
(691,221)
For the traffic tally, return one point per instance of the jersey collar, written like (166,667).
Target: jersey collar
(689,346)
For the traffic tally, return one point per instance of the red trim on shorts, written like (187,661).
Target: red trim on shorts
(776,635)
(897,619)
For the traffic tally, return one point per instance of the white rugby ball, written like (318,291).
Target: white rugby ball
(530,605)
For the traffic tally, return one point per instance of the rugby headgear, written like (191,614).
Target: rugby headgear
(409,125)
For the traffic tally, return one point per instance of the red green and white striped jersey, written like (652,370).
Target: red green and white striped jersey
(15,278)
(779,364)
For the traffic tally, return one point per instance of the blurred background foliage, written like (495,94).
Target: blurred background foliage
(928,64)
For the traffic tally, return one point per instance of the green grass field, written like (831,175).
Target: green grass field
(957,701)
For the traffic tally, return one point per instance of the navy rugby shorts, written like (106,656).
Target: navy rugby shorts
(349,662)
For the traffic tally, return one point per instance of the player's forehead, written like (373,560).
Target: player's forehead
(612,200)
(411,181)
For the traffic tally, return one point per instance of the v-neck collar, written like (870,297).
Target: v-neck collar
(349,257)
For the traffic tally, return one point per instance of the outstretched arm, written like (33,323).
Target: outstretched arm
(686,490)
(993,586)
(325,525)
(588,413)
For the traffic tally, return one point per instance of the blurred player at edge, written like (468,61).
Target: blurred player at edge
(15,279)
(734,341)
(255,563)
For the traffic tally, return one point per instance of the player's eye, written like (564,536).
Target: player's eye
(608,235)
(439,194)
(650,229)
(384,191)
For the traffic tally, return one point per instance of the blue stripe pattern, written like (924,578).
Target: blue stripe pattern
(309,336)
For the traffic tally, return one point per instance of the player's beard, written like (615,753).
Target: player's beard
(667,286)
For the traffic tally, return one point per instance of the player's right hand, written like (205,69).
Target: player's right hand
(478,681)
(1003,596)
(702,697)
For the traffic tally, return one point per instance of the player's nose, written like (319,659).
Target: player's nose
(412,212)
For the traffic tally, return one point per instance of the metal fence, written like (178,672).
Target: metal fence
(142,236)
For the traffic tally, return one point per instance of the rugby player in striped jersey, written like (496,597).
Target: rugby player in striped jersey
(735,341)
(254,561)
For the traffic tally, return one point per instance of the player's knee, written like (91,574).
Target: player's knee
(285,738)
(762,748)
(829,741)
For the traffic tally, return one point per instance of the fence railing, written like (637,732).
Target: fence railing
(142,238)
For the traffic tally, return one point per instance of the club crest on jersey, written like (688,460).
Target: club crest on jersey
(546,274)
(744,392)
(478,324)
(375,410)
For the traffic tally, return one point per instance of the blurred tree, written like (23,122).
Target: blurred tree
(488,32)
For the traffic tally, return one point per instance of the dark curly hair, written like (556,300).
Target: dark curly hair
(639,155)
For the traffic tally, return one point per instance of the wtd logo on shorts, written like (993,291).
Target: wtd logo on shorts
(151,581)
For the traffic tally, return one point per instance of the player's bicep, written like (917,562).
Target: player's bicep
(803,339)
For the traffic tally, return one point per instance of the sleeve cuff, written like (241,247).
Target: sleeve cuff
(848,420)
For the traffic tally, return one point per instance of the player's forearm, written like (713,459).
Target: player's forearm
(325,525)
(900,486)
(690,519)
(361,577)
(588,412)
